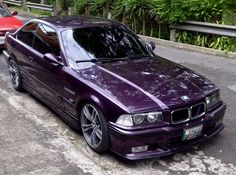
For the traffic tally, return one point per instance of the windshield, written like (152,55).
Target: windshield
(111,42)
(3,11)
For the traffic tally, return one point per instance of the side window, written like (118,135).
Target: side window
(26,34)
(46,40)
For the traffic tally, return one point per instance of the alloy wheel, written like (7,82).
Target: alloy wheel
(14,74)
(91,125)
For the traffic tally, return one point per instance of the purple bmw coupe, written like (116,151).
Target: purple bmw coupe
(104,80)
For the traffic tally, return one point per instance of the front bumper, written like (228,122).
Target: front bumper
(164,140)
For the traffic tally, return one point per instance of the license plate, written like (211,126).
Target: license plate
(2,40)
(192,133)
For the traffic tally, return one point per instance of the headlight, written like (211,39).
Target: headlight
(155,117)
(212,100)
(136,119)
(125,120)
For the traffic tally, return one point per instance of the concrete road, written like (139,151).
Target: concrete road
(33,140)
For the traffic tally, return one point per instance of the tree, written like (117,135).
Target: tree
(119,10)
(101,7)
(83,6)
(139,11)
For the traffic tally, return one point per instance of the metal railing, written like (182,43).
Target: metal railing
(31,5)
(202,27)
(13,2)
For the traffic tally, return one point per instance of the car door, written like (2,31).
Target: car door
(48,76)
(22,48)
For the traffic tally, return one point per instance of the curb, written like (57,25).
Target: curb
(189,47)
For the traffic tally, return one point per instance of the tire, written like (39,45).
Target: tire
(94,128)
(15,76)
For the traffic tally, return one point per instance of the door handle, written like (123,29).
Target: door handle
(31,59)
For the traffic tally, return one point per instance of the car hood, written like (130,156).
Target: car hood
(146,84)
(8,23)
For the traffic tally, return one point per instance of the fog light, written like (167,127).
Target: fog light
(139,149)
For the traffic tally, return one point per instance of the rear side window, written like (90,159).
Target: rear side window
(46,40)
(26,33)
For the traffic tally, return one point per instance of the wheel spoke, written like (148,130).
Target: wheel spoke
(13,80)
(99,133)
(93,137)
(87,113)
(86,127)
(11,70)
(94,115)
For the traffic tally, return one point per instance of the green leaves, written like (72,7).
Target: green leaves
(154,16)
(169,11)
(173,11)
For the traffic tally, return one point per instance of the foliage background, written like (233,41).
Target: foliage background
(153,17)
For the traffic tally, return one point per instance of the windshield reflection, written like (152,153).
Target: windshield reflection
(111,42)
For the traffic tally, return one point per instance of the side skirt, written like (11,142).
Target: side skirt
(67,118)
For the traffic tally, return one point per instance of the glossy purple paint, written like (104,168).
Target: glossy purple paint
(124,87)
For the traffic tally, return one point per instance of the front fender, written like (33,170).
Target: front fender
(110,110)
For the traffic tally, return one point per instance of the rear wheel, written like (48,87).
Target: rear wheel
(15,75)
(94,128)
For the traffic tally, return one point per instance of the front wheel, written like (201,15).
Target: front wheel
(15,75)
(94,128)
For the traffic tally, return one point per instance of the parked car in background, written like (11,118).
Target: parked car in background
(101,78)
(7,22)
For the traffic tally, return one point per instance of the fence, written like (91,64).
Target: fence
(12,2)
(31,5)
(202,27)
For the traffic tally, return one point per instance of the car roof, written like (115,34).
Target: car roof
(65,22)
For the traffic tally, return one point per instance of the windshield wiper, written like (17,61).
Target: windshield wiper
(83,61)
(137,56)
(102,60)
(93,60)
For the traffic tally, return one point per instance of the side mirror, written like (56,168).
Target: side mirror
(14,13)
(52,58)
(152,45)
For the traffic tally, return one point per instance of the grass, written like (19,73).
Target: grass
(34,11)
(229,17)
(41,12)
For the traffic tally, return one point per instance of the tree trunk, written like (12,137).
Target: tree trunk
(103,12)
(159,30)
(87,8)
(44,1)
(107,8)
(144,25)
(135,24)
(59,6)
(23,4)
(151,32)
(123,18)
(71,11)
